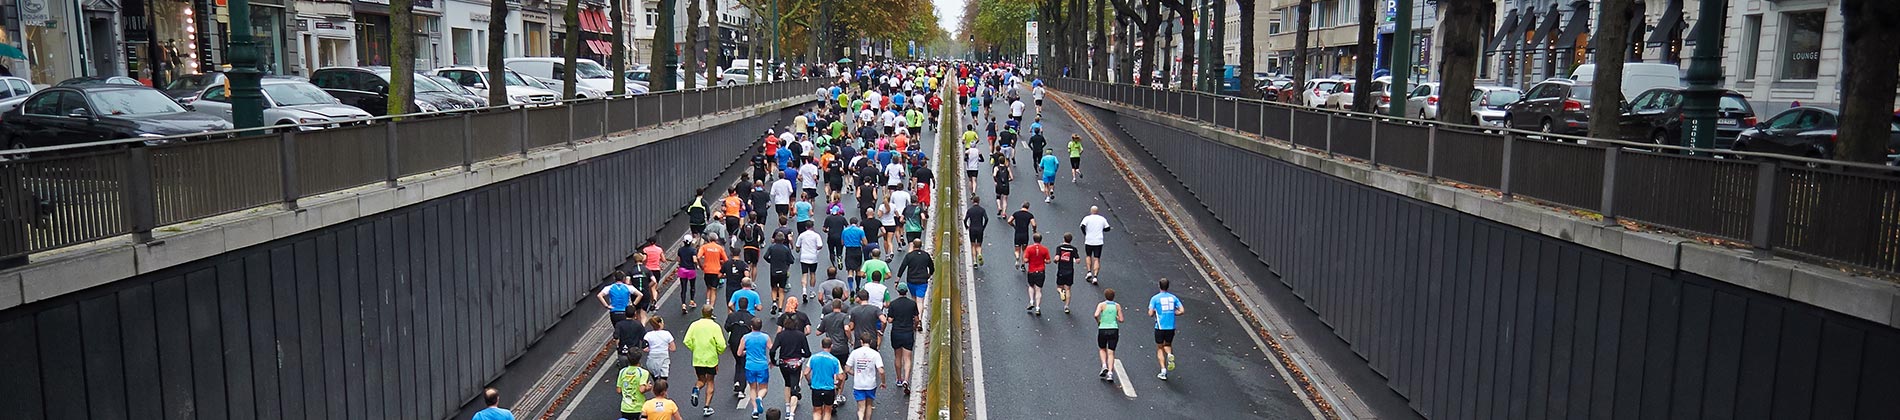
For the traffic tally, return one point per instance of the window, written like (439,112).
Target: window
(1751,48)
(47,104)
(214,95)
(19,86)
(1348,12)
(1273,26)
(1801,46)
(464,40)
(653,17)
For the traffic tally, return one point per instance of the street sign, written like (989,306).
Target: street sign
(1031,39)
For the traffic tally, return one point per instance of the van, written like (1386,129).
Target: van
(1637,77)
(587,72)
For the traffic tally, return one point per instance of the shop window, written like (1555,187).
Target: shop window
(1801,46)
(1751,45)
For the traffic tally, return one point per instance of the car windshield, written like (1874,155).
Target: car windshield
(1734,104)
(132,102)
(425,84)
(589,70)
(638,76)
(450,85)
(293,94)
(1501,97)
(192,82)
(1325,86)
(529,82)
(513,79)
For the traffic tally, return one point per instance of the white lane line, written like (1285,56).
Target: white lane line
(982,405)
(588,389)
(1121,377)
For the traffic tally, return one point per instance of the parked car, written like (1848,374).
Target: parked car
(586,72)
(13,91)
(1278,90)
(368,88)
(1655,116)
(445,83)
(679,81)
(735,76)
(1316,91)
(1423,100)
(1487,105)
(1803,131)
(1637,77)
(1557,106)
(286,101)
(186,88)
(100,80)
(581,90)
(1341,95)
(520,92)
(63,115)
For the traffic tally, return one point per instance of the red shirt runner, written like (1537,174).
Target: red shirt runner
(1038,257)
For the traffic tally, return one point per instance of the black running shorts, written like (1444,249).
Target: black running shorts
(1036,278)
(1107,338)
(1092,250)
(1164,337)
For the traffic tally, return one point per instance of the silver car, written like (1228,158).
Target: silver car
(286,102)
(520,91)
(1487,104)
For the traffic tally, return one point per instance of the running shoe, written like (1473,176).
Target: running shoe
(1111,376)
(1162,376)
(707,413)
(1038,311)
(695,396)
(1103,374)
(1046,199)
(1170,361)
(1065,309)
(758,407)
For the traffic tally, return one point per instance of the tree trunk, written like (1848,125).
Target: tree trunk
(1078,38)
(1247,69)
(1098,61)
(1167,60)
(715,56)
(1301,39)
(1362,65)
(689,65)
(1867,85)
(1611,44)
(497,51)
(1464,23)
(573,18)
(660,75)
(619,66)
(402,57)
(1185,12)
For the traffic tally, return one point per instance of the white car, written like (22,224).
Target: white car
(586,72)
(13,91)
(520,92)
(1314,95)
(581,90)
(1423,101)
(1487,104)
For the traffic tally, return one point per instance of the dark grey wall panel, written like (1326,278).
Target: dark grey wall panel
(406,314)
(1472,319)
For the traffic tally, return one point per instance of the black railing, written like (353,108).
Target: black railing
(1840,212)
(56,197)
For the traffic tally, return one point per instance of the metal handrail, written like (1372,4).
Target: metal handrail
(236,132)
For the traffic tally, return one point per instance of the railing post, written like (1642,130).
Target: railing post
(141,201)
(1609,184)
(570,124)
(1760,234)
(1374,142)
(1431,151)
(1262,119)
(391,169)
(521,137)
(606,113)
(468,142)
(287,165)
(1504,175)
(1329,134)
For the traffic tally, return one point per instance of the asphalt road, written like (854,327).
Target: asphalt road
(602,401)
(1046,366)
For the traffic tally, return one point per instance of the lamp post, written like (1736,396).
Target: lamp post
(1401,55)
(247,97)
(1701,100)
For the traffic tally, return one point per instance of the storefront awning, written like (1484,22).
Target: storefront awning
(1695,29)
(600,47)
(1526,26)
(1577,32)
(1505,29)
(1638,24)
(594,21)
(1669,27)
(1545,30)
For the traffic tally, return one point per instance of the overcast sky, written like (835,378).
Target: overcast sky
(949,13)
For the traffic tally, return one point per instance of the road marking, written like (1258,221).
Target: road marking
(982,406)
(1121,377)
(589,389)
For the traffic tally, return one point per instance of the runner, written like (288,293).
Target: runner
(1038,94)
(619,296)
(1003,173)
(972,159)
(738,324)
(1037,257)
(1065,268)
(853,238)
(779,257)
(790,350)
(1094,226)
(1049,170)
(696,212)
(706,339)
(755,352)
(1164,307)
(661,408)
(1075,158)
(782,191)
(916,268)
(752,236)
(688,272)
(810,243)
(903,315)
(834,234)
(660,348)
(824,372)
(1037,143)
(867,374)
(875,271)
(492,398)
(633,384)
(1108,324)
(975,220)
(832,284)
(746,298)
(1024,222)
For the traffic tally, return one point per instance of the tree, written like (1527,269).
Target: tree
(1098,62)
(661,76)
(1868,78)
(1147,22)
(573,18)
(402,61)
(1246,49)
(619,66)
(1304,37)
(1464,23)
(690,66)
(714,54)
(1362,65)
(1078,30)
(1611,45)
(1184,10)
(497,44)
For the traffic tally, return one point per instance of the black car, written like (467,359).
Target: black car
(186,88)
(81,114)
(100,80)
(1655,116)
(368,88)
(1801,131)
(1557,106)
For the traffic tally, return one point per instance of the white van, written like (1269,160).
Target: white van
(1637,77)
(587,72)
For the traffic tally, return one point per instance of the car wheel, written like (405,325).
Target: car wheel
(1421,115)
(1659,138)
(1544,126)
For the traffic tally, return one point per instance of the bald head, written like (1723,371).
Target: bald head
(1095,210)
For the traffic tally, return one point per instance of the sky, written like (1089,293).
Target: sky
(949,12)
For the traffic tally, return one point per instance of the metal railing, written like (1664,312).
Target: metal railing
(55,197)
(1832,211)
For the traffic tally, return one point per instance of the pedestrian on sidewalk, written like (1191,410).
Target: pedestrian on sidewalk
(706,339)
(1108,322)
